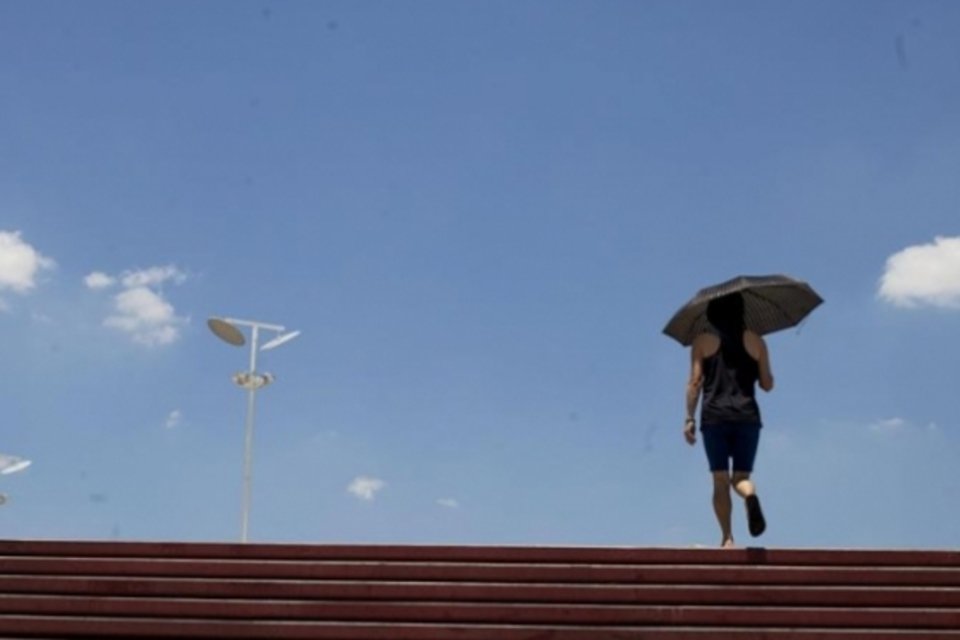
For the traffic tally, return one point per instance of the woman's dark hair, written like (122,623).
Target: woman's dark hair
(726,313)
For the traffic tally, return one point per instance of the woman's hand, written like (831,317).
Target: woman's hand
(690,431)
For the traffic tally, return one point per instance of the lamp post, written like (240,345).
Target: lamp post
(226,329)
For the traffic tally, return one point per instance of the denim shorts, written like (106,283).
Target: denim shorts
(729,441)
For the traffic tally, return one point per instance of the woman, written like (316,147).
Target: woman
(727,362)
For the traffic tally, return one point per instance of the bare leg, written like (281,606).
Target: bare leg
(742,484)
(722,506)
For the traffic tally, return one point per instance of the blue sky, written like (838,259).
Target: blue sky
(480,215)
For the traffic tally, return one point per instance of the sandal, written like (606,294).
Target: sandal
(755,519)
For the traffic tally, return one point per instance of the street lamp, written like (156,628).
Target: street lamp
(11,464)
(226,329)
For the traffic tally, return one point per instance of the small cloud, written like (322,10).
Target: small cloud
(889,425)
(365,487)
(924,275)
(174,419)
(140,310)
(146,316)
(99,280)
(152,277)
(448,503)
(41,318)
(20,263)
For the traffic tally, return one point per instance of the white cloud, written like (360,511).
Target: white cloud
(146,316)
(365,487)
(448,503)
(889,425)
(99,280)
(174,419)
(139,310)
(926,274)
(152,276)
(20,263)
(895,426)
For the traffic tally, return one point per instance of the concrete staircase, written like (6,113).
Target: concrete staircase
(65,589)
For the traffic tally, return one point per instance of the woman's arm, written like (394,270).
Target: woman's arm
(694,385)
(758,349)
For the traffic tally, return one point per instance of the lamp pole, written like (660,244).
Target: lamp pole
(226,329)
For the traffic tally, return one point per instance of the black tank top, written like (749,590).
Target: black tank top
(729,381)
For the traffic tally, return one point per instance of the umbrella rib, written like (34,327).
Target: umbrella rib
(756,292)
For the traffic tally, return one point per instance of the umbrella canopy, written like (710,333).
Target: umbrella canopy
(770,303)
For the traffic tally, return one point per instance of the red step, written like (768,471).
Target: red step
(874,596)
(74,589)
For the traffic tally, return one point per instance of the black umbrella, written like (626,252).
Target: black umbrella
(770,303)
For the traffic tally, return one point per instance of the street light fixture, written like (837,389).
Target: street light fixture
(11,464)
(227,330)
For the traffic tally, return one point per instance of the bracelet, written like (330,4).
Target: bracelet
(689,420)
